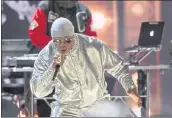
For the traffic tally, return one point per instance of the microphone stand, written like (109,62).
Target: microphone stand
(56,70)
(170,53)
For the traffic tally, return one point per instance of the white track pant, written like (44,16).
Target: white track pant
(104,108)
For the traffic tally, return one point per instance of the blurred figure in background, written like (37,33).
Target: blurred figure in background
(48,11)
(39,30)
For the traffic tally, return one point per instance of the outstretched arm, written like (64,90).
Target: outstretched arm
(114,65)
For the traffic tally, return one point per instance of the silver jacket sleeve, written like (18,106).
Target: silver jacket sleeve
(41,83)
(114,65)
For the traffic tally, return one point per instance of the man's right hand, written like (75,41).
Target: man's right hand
(57,60)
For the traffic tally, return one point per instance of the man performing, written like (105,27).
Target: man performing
(39,30)
(73,65)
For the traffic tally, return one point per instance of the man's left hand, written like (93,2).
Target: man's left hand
(133,94)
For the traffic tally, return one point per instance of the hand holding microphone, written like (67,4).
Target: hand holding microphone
(58,61)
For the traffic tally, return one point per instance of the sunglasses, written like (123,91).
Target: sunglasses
(66,40)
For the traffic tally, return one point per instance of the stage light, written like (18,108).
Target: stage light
(98,20)
(137,9)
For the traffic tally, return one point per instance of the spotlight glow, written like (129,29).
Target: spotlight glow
(98,20)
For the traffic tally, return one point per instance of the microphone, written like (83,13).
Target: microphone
(56,70)
(57,67)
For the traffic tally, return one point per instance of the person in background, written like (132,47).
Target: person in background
(39,30)
(48,11)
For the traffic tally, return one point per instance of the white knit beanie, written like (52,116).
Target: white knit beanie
(62,27)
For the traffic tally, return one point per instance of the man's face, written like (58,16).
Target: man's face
(66,3)
(64,44)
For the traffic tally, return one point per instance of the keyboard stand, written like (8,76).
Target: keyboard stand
(134,54)
(144,75)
